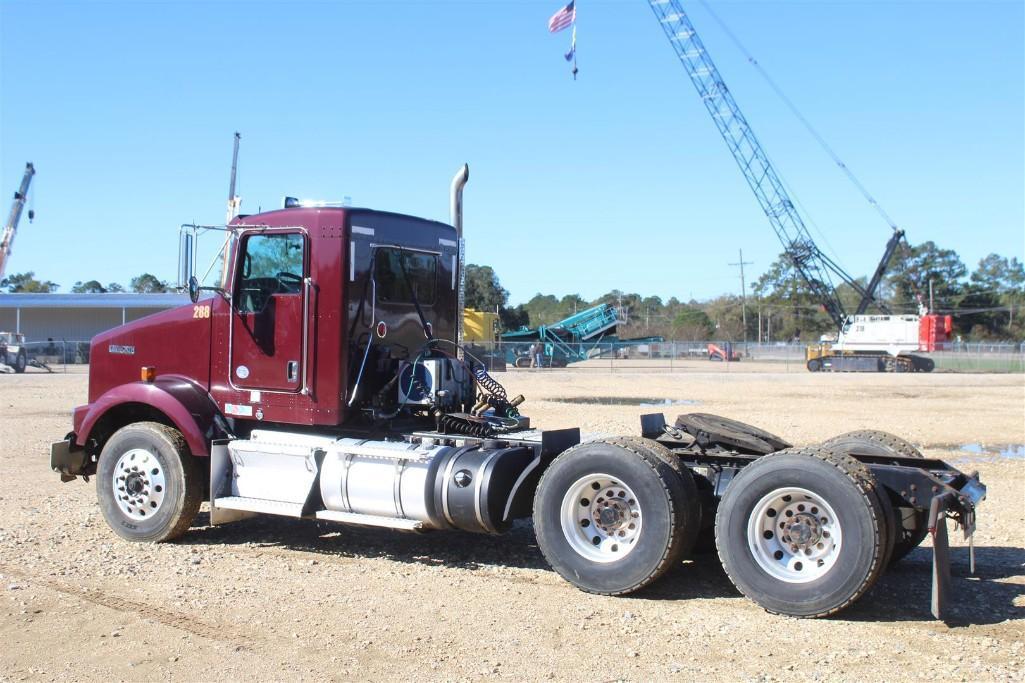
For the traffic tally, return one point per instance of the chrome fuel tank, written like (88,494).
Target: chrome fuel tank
(381,478)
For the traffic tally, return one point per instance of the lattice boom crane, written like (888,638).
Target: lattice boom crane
(864,342)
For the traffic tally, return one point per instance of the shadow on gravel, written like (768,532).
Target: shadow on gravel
(903,593)
(702,578)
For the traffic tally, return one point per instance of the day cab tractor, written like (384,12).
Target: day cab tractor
(323,379)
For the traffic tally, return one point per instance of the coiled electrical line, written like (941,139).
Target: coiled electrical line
(488,383)
(461,423)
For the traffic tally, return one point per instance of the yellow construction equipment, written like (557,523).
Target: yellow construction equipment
(480,326)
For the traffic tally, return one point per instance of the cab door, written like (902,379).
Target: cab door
(270,300)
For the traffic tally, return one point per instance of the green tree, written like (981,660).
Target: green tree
(994,296)
(148,284)
(913,268)
(514,317)
(27,282)
(796,311)
(691,324)
(543,309)
(88,287)
(484,292)
(115,287)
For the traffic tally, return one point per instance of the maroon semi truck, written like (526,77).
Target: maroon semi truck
(323,379)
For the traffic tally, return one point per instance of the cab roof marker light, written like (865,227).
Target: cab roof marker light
(296,203)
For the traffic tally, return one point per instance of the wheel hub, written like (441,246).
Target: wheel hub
(804,530)
(601,518)
(139,484)
(794,535)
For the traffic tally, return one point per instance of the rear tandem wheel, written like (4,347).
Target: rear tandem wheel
(612,516)
(912,524)
(803,532)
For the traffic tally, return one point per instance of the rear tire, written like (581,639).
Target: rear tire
(911,524)
(802,532)
(618,543)
(148,483)
(814,365)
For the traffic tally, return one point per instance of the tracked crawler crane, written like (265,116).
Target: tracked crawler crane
(872,343)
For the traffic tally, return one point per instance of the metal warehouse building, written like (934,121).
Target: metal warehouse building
(77,317)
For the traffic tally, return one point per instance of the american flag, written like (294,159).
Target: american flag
(563,18)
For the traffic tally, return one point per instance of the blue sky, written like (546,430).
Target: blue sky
(616,180)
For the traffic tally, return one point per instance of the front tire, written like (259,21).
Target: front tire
(148,483)
(20,362)
(802,532)
(612,516)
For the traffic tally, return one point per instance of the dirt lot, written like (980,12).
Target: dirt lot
(281,599)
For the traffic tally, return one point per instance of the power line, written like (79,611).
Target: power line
(804,121)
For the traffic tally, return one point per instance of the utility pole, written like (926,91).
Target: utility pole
(743,289)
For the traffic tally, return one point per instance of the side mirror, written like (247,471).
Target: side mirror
(186,258)
(193,289)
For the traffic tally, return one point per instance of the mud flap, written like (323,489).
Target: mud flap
(940,554)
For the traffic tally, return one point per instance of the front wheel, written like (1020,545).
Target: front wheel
(148,484)
(20,362)
(802,532)
(611,516)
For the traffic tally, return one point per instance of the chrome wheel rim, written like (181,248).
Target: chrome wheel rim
(601,518)
(139,484)
(794,535)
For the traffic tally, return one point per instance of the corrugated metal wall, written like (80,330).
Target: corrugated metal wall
(71,324)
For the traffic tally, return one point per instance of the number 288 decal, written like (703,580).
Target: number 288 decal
(200,311)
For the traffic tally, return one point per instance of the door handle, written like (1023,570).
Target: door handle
(292,371)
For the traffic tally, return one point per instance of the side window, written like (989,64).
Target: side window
(269,264)
(401,273)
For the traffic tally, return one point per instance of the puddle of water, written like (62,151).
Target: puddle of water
(1013,451)
(625,401)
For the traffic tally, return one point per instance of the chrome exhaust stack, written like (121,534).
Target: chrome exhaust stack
(456,216)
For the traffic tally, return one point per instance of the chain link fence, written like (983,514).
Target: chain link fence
(704,356)
(56,355)
(680,356)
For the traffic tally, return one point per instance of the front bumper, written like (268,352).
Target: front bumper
(68,459)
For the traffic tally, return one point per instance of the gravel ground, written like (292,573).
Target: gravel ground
(283,599)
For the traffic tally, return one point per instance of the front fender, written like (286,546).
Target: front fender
(186,404)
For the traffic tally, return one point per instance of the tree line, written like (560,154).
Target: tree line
(27,283)
(986,303)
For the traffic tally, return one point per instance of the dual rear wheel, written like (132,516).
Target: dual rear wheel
(803,532)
